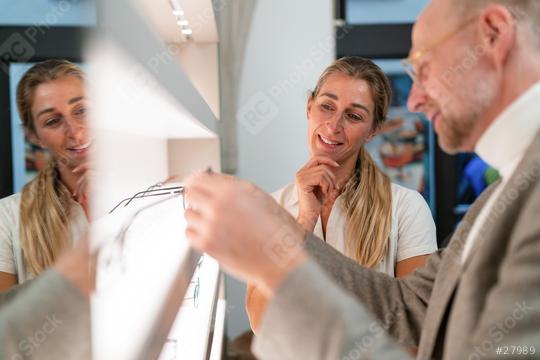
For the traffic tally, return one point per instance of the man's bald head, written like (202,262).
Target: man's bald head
(472,58)
(526,12)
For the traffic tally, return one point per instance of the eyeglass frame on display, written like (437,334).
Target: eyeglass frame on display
(120,238)
(174,191)
(195,297)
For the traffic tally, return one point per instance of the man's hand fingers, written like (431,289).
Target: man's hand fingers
(197,231)
(193,218)
(194,239)
(197,197)
(210,182)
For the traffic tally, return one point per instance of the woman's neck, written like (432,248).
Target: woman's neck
(345,171)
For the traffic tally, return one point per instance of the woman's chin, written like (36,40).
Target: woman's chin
(71,161)
(328,154)
(322,152)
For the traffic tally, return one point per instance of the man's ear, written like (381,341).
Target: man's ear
(498,31)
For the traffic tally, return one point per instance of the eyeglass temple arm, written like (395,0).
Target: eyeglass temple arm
(141,194)
(145,193)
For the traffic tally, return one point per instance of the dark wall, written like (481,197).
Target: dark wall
(391,41)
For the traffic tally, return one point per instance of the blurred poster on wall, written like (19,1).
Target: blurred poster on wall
(35,159)
(404,147)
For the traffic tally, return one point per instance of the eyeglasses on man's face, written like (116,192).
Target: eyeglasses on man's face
(416,68)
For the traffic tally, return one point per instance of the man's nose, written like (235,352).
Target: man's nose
(418,98)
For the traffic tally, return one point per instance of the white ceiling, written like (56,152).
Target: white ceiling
(199,13)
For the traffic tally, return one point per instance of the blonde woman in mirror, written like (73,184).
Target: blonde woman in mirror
(50,213)
(340,194)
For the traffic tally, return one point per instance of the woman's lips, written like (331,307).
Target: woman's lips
(328,144)
(81,148)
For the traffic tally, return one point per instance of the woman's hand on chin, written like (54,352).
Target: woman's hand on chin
(314,182)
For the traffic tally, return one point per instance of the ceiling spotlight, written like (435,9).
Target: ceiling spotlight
(183,22)
(187,31)
(176,8)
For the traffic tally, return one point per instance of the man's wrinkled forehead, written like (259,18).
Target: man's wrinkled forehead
(432,23)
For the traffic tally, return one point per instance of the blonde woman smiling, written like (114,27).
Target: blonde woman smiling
(340,195)
(37,225)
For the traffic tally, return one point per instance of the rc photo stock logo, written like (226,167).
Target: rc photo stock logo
(257,113)
(15,48)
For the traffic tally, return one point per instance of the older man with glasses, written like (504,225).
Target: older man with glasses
(476,71)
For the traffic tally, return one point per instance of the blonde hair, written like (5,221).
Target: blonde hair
(44,211)
(367,194)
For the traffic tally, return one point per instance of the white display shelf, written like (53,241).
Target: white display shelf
(149,122)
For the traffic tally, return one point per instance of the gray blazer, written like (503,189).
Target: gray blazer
(448,309)
(46,318)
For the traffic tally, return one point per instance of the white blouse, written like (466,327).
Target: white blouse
(413,230)
(11,259)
